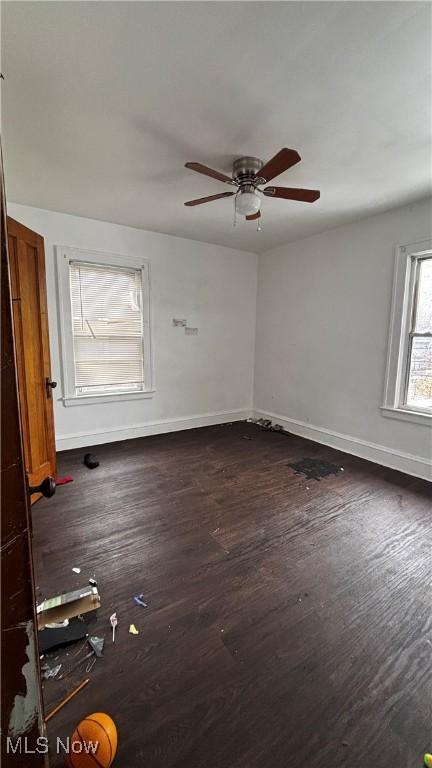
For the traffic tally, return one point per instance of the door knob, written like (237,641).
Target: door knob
(47,487)
(50,385)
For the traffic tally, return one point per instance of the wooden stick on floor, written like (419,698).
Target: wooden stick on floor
(65,701)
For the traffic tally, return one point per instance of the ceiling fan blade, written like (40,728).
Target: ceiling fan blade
(292,193)
(279,163)
(209,199)
(253,217)
(209,172)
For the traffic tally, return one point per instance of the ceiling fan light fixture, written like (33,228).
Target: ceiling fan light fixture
(247,203)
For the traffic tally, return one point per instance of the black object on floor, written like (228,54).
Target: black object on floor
(91,461)
(50,638)
(314,469)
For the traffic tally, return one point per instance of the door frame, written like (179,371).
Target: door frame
(22,720)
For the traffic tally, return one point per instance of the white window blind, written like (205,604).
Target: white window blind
(107,328)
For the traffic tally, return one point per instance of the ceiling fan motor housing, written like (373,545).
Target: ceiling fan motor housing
(246,170)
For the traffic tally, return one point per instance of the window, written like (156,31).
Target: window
(408,386)
(104,304)
(418,387)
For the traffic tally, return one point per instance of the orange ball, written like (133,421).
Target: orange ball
(93,742)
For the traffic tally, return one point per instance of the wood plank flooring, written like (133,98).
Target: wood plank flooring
(289,620)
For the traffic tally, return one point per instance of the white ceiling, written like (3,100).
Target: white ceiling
(103,103)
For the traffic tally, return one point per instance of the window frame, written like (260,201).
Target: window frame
(405,286)
(64,256)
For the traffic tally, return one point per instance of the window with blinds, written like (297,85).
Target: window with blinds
(418,389)
(107,328)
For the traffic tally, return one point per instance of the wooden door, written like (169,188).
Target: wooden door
(21,710)
(30,316)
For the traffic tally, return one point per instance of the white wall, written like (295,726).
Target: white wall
(322,319)
(200,379)
(322,329)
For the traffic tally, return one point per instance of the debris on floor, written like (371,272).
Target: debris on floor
(93,655)
(264,423)
(113,622)
(66,699)
(133,630)
(59,618)
(90,461)
(64,480)
(57,609)
(90,665)
(314,469)
(93,582)
(50,672)
(51,637)
(139,600)
(76,570)
(267,425)
(97,644)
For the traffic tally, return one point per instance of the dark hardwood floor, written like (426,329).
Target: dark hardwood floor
(289,620)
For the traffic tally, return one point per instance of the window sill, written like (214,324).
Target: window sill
(99,399)
(406,414)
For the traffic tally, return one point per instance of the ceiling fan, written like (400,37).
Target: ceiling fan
(248,174)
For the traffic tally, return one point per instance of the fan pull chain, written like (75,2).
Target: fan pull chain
(235,214)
